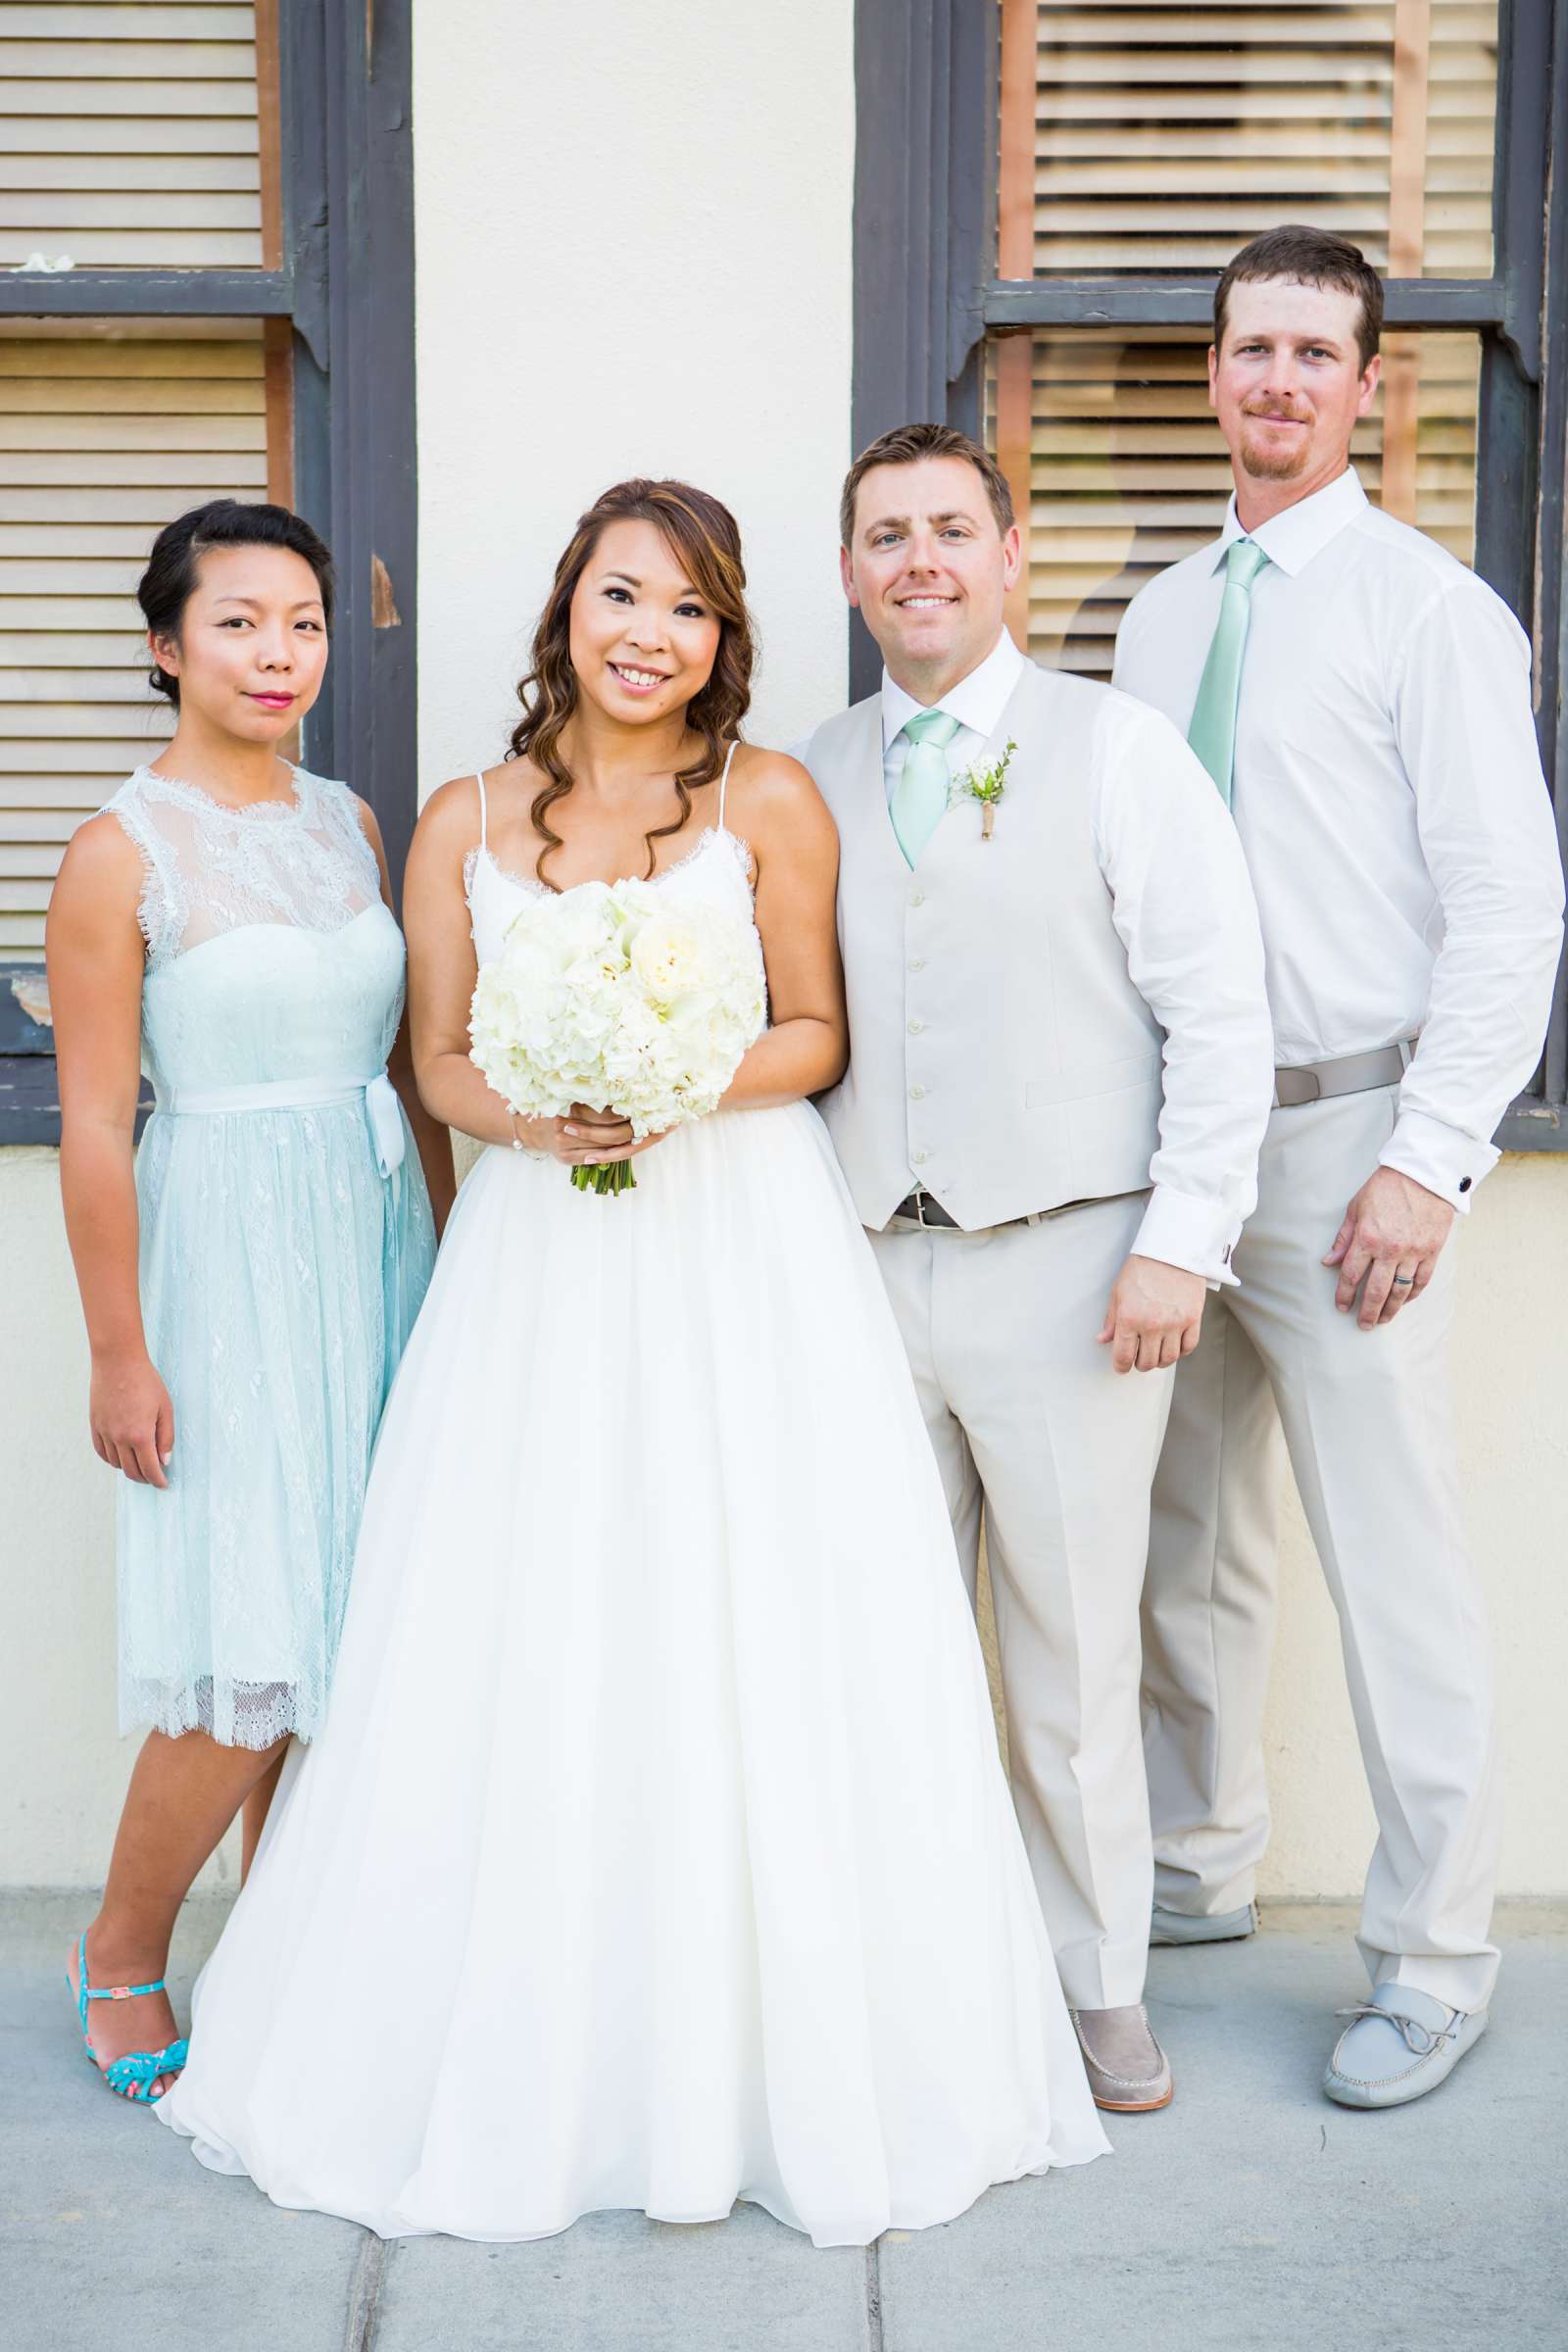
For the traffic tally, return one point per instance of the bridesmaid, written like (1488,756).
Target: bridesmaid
(250,1277)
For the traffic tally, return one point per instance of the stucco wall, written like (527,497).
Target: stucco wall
(63,1771)
(1513,1450)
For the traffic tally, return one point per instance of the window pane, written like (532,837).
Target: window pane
(1168,136)
(108,430)
(131,136)
(1126,472)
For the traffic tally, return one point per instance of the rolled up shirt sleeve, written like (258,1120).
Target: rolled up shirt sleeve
(1465,733)
(1183,907)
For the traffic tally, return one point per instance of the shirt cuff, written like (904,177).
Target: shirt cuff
(1182,1230)
(1446,1160)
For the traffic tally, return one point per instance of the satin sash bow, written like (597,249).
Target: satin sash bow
(382,1111)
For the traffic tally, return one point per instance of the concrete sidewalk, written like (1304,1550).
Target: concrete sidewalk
(1250,2214)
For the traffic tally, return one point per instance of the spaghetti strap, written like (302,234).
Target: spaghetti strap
(723,781)
(479,781)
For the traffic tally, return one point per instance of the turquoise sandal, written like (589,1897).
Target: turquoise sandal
(130,2076)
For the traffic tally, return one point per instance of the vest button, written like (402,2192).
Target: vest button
(915,1028)
(918,898)
(917,964)
(918,1094)
(920,1158)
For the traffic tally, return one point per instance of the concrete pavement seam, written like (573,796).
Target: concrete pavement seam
(365,2293)
(873,2298)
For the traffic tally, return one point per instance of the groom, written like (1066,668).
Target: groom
(1060,1076)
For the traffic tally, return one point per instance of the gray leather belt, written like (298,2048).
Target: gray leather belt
(1351,1074)
(921,1208)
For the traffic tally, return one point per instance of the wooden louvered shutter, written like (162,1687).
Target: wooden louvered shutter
(1143,136)
(130,135)
(1168,136)
(102,440)
(133,137)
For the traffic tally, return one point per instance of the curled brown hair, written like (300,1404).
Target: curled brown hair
(703,535)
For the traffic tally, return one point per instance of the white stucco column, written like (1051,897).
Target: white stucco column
(634,257)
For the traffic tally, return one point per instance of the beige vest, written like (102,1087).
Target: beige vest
(999,1055)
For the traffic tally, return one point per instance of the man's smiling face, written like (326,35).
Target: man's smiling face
(929,568)
(1287,385)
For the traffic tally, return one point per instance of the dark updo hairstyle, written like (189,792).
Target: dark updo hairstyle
(702,535)
(169,582)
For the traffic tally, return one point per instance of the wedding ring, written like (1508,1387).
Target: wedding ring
(1403,1282)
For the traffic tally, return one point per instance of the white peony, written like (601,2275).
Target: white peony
(668,957)
(612,998)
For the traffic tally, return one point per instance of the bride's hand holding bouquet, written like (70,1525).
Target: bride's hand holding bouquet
(584,1138)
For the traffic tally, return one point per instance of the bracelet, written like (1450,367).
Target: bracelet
(517,1143)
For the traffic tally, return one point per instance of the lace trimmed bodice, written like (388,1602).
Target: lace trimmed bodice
(271,953)
(716,867)
(209,868)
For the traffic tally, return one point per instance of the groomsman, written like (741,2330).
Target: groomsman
(1060,1076)
(1362,704)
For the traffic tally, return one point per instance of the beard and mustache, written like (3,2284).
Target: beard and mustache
(1275,464)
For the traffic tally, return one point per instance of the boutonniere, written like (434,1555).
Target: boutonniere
(984,785)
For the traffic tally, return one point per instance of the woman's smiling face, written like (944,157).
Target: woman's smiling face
(643,641)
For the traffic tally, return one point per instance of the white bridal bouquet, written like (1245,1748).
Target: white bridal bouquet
(609,997)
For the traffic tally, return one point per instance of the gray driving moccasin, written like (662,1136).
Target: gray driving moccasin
(1402,2043)
(1220,1927)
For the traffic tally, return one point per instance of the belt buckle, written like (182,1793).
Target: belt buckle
(919,1208)
(1305,1085)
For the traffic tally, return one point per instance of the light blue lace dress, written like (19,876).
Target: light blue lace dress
(286,1241)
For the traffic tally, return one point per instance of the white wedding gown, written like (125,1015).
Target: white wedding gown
(656,1852)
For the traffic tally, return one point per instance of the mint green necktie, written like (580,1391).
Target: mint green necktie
(1213,733)
(920,796)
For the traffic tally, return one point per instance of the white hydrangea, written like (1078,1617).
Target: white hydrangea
(612,998)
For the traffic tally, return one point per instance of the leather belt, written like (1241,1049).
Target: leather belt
(1351,1074)
(919,1207)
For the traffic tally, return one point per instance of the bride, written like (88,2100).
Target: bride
(656,1852)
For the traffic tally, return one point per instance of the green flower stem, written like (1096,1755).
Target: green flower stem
(617,1176)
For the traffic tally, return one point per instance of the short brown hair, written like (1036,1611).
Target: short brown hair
(1308,257)
(907,445)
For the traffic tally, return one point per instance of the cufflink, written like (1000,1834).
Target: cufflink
(1464,1184)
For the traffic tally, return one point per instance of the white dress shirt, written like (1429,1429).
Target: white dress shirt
(977,703)
(1388,796)
(1182,904)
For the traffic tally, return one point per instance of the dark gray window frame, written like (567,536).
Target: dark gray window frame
(346,283)
(926,296)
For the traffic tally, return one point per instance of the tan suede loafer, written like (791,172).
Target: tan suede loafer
(1128,2072)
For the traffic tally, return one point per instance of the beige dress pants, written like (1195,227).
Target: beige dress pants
(1367,1420)
(1030,1422)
